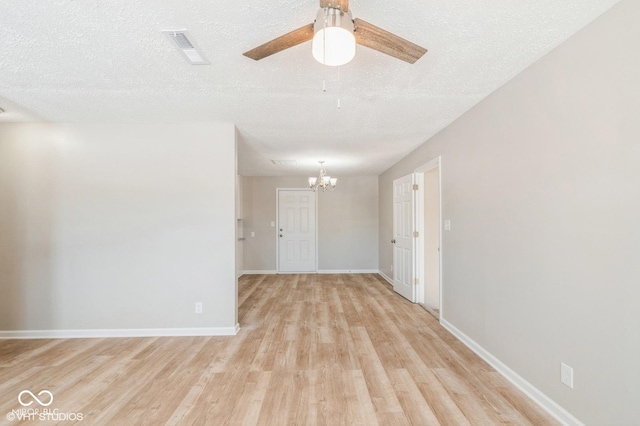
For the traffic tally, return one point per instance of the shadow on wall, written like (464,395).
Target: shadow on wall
(27,196)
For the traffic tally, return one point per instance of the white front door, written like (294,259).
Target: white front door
(403,240)
(296,230)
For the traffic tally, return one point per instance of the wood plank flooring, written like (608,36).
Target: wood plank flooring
(313,350)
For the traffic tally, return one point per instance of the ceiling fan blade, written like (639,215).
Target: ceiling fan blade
(278,44)
(383,41)
(343,5)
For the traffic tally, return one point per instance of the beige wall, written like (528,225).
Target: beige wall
(541,182)
(116,226)
(432,238)
(347,223)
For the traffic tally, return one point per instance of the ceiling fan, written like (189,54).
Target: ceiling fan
(335,34)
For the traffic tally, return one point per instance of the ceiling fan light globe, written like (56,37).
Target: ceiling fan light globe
(334,41)
(334,46)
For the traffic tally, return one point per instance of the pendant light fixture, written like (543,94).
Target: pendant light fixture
(322,181)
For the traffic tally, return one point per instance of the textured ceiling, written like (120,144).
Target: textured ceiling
(94,61)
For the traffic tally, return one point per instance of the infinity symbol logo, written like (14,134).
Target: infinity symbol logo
(35,398)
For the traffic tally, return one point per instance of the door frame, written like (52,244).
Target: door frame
(419,221)
(277,227)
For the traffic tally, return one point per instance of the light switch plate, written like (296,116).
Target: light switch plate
(566,374)
(447,225)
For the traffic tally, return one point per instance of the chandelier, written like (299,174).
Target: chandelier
(322,181)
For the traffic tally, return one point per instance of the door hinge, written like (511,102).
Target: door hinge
(416,281)
(415,186)
(415,234)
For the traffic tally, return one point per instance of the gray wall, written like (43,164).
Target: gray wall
(347,222)
(541,182)
(116,226)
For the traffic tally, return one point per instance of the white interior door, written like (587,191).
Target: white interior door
(296,230)
(403,240)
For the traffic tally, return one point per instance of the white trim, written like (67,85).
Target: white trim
(441,307)
(315,193)
(119,332)
(420,241)
(431,164)
(382,274)
(320,271)
(549,405)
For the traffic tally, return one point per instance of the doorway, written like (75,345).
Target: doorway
(296,231)
(429,241)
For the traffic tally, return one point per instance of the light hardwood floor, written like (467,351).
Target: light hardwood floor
(313,349)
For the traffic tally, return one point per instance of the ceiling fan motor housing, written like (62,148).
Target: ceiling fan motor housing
(333,41)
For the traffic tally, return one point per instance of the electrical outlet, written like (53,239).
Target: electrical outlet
(392,268)
(198,307)
(566,374)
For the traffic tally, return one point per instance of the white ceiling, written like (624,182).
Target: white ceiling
(97,61)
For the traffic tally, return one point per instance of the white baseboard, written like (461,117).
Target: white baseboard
(549,405)
(119,332)
(389,280)
(320,271)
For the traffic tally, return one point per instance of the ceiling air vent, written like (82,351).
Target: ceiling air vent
(187,47)
(284,162)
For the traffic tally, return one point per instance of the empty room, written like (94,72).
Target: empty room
(320,212)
